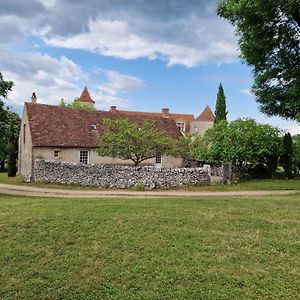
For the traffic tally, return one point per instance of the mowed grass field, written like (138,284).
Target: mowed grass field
(189,248)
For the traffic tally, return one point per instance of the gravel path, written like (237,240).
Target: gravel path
(59,193)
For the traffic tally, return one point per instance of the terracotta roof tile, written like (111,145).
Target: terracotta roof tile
(206,116)
(187,118)
(55,126)
(85,96)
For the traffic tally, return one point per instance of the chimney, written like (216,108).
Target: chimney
(113,109)
(165,112)
(33,98)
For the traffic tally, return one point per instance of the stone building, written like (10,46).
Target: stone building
(72,135)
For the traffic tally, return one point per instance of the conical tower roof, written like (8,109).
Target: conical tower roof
(206,116)
(85,96)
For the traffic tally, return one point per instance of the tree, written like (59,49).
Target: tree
(269,36)
(288,155)
(75,104)
(12,145)
(183,147)
(243,143)
(296,140)
(220,112)
(131,141)
(5,87)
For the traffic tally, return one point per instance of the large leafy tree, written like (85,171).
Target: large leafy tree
(220,111)
(269,37)
(132,141)
(244,144)
(5,87)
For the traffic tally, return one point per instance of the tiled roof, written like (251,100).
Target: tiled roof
(206,116)
(85,96)
(54,126)
(184,117)
(187,118)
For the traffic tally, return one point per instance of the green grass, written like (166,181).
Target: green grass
(261,184)
(189,248)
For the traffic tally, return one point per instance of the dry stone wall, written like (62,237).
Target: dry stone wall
(113,176)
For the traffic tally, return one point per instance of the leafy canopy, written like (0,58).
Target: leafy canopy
(296,139)
(269,37)
(75,104)
(242,143)
(5,87)
(13,129)
(131,141)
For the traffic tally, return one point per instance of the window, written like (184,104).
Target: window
(84,156)
(158,158)
(181,126)
(56,153)
(24,133)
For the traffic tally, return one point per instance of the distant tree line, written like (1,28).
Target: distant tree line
(9,131)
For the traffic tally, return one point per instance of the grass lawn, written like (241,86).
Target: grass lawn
(190,248)
(258,184)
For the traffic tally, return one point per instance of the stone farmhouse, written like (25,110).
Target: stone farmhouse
(72,135)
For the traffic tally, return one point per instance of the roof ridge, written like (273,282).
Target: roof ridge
(207,115)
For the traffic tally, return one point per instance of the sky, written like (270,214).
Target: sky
(136,54)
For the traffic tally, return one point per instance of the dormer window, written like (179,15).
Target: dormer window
(181,126)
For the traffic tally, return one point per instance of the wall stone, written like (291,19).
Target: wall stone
(113,176)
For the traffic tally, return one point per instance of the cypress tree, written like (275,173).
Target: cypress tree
(220,112)
(288,155)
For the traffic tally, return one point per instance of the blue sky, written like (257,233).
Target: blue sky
(136,54)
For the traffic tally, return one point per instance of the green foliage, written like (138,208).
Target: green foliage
(296,140)
(220,112)
(243,143)
(132,141)
(183,147)
(12,148)
(5,87)
(138,187)
(75,104)
(288,155)
(269,36)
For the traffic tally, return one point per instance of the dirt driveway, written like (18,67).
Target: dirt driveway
(10,189)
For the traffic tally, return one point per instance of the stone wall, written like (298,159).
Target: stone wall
(112,176)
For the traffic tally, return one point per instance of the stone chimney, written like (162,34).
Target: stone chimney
(113,109)
(33,98)
(165,112)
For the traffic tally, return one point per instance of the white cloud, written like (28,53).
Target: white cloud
(52,79)
(247,92)
(118,82)
(49,77)
(120,39)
